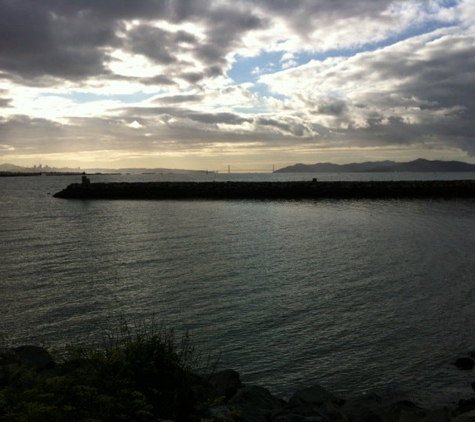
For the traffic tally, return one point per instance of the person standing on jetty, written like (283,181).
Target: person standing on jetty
(85,180)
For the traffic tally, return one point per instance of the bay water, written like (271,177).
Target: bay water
(356,295)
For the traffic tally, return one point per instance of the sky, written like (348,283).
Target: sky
(255,85)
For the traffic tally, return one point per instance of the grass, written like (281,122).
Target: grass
(140,373)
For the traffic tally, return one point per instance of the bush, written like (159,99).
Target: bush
(136,374)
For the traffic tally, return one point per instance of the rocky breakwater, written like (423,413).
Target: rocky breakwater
(271,190)
(227,399)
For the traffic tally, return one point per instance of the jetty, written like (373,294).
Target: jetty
(312,189)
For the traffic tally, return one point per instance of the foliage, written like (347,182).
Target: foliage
(137,374)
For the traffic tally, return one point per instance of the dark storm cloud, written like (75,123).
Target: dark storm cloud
(294,127)
(214,118)
(436,86)
(298,9)
(273,123)
(182,113)
(152,42)
(30,134)
(419,92)
(329,106)
(5,102)
(155,80)
(447,75)
(179,99)
(229,25)
(69,40)
(304,16)
(35,42)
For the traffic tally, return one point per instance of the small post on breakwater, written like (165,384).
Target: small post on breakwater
(229,169)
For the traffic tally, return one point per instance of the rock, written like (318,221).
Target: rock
(464,363)
(296,414)
(409,412)
(226,383)
(328,412)
(437,415)
(464,406)
(465,417)
(34,356)
(7,356)
(373,408)
(8,362)
(367,407)
(254,404)
(312,395)
(332,412)
(473,385)
(221,414)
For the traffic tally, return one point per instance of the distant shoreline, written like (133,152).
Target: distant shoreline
(33,174)
(271,190)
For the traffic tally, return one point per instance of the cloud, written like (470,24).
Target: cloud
(412,92)
(181,98)
(306,75)
(5,102)
(36,41)
(74,40)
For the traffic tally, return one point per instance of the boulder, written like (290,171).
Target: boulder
(8,362)
(226,383)
(332,412)
(6,354)
(367,407)
(254,404)
(436,415)
(34,356)
(465,417)
(328,412)
(464,363)
(312,395)
(373,408)
(221,414)
(465,405)
(297,415)
(409,412)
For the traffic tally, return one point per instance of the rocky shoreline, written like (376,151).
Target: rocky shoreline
(232,401)
(271,190)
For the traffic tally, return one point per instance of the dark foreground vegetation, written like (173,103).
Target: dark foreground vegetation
(134,375)
(144,375)
(139,376)
(271,190)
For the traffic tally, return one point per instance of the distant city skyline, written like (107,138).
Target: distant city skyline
(208,84)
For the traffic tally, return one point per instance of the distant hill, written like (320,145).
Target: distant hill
(419,165)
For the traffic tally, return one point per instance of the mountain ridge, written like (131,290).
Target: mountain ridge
(418,165)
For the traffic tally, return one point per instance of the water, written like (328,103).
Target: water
(355,295)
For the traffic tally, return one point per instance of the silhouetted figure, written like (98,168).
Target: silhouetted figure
(85,180)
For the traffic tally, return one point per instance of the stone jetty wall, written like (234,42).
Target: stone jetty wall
(271,190)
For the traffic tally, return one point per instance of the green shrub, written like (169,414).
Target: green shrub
(136,374)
